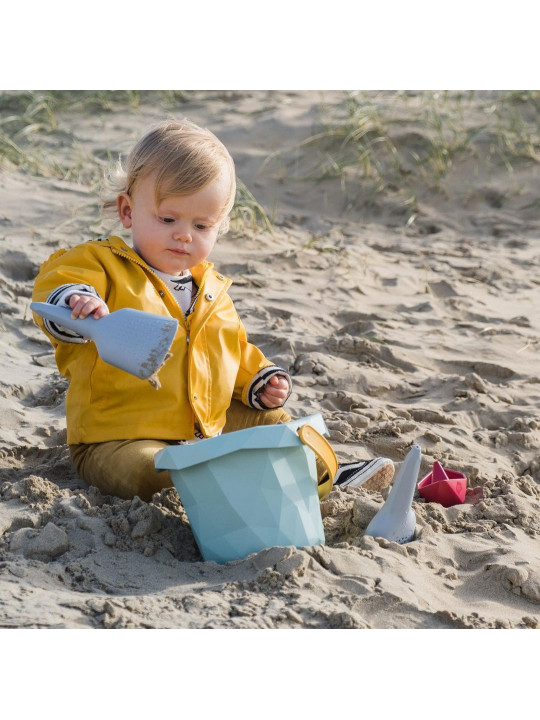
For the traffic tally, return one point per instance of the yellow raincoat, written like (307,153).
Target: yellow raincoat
(212,361)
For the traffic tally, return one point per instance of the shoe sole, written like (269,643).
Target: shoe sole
(380,480)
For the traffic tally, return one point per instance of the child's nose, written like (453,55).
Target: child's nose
(182,235)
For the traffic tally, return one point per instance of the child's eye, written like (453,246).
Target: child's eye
(166,219)
(201,227)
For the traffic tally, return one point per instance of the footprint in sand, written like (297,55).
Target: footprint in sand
(18,266)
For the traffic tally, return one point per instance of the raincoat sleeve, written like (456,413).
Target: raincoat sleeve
(254,372)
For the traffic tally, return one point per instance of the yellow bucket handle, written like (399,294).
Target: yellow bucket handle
(322,448)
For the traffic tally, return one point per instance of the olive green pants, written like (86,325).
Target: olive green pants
(126,467)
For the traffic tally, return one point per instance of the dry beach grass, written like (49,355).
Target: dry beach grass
(385,249)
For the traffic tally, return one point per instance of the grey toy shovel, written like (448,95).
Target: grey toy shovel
(132,340)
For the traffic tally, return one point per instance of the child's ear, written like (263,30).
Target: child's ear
(123,205)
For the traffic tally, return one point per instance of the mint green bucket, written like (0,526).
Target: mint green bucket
(250,489)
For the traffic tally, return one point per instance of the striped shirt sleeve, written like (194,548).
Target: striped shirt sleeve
(258,383)
(60,296)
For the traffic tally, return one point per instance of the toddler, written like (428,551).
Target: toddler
(175,197)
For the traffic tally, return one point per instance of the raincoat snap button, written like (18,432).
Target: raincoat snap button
(209,296)
(220,277)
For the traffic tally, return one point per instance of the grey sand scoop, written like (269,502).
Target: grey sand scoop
(132,340)
(396,520)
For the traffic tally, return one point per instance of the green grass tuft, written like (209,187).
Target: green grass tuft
(247,212)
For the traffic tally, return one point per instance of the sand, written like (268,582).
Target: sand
(404,302)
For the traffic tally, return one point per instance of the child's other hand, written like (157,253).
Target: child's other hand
(275,391)
(84,305)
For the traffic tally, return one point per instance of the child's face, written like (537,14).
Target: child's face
(180,232)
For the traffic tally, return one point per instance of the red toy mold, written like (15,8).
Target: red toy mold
(444,486)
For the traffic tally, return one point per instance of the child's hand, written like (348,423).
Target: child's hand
(275,391)
(84,305)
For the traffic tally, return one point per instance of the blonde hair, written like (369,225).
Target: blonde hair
(184,158)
